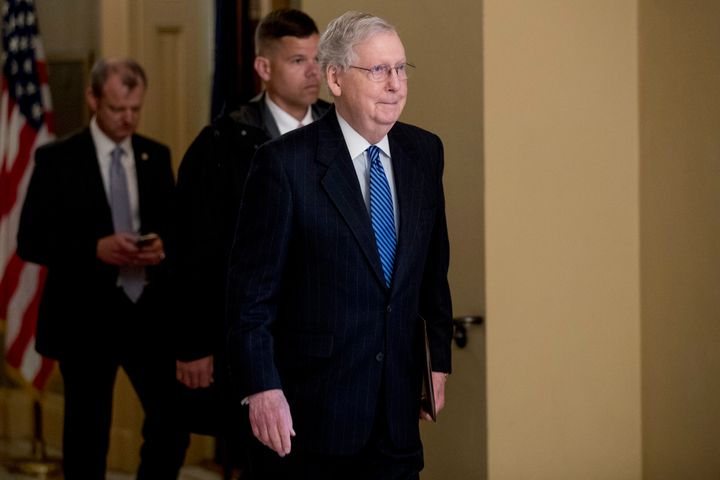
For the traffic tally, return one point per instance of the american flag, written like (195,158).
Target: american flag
(25,124)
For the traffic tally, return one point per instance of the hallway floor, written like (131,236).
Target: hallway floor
(14,450)
(187,473)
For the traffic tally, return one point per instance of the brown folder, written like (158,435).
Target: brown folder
(427,400)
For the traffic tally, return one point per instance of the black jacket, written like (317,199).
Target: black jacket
(209,190)
(65,213)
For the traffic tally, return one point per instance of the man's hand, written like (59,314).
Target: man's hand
(151,254)
(120,249)
(117,249)
(196,373)
(271,421)
(439,379)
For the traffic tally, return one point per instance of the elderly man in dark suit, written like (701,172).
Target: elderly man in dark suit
(341,246)
(97,210)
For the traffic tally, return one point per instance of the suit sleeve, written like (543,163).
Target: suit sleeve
(44,236)
(194,241)
(435,302)
(36,220)
(156,186)
(257,263)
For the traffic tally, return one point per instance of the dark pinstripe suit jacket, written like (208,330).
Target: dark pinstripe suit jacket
(308,310)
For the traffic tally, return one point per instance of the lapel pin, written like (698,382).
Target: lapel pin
(144,156)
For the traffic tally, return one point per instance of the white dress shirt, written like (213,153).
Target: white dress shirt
(284,120)
(357,147)
(103,147)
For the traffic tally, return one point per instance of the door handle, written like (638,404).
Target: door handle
(460,334)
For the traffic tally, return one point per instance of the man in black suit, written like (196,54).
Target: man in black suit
(91,197)
(212,175)
(210,183)
(341,246)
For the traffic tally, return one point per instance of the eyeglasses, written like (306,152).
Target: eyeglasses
(380,73)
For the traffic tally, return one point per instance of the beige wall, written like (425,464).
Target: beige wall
(680,198)
(603,184)
(172,39)
(562,216)
(79,41)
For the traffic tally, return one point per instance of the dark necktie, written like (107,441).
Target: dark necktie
(381,214)
(132,279)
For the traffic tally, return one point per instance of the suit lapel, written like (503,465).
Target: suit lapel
(91,168)
(142,157)
(268,120)
(407,187)
(341,184)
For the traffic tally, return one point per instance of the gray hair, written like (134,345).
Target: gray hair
(131,74)
(337,43)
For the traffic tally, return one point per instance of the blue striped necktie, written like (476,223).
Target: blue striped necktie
(381,214)
(132,279)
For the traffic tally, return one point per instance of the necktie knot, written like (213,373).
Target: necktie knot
(374,154)
(382,216)
(116,154)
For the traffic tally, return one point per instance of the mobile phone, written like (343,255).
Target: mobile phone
(146,240)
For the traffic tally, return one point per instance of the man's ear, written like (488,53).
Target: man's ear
(262,67)
(91,99)
(333,80)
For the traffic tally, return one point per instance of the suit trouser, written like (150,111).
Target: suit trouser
(89,376)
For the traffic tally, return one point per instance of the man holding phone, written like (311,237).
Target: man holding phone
(96,213)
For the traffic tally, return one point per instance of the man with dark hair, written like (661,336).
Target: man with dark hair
(286,62)
(210,185)
(213,173)
(96,215)
(341,248)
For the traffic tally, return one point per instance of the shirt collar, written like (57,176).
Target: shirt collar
(284,120)
(356,143)
(103,144)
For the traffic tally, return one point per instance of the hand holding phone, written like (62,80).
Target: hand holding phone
(150,250)
(146,240)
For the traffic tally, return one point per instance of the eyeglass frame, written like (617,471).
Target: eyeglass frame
(371,71)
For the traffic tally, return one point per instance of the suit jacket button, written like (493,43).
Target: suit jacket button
(379,357)
(388,309)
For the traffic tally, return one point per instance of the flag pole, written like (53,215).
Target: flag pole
(38,464)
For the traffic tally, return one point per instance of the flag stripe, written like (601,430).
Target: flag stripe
(26,122)
(9,283)
(10,180)
(41,377)
(25,308)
